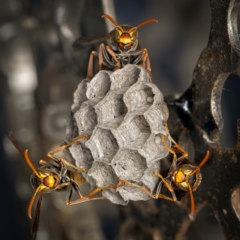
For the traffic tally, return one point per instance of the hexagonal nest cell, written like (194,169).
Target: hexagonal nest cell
(82,155)
(122,112)
(102,144)
(155,116)
(133,132)
(98,86)
(86,118)
(153,149)
(120,81)
(129,165)
(103,174)
(111,110)
(129,193)
(139,97)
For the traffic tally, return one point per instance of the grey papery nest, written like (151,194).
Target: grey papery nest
(122,112)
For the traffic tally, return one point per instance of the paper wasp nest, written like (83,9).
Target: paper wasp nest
(122,112)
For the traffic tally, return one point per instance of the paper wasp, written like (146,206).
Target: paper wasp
(181,178)
(124,48)
(55,174)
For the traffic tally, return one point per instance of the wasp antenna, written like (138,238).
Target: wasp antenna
(204,160)
(109,18)
(30,164)
(146,22)
(201,163)
(32,201)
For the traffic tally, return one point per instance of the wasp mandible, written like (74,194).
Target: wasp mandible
(124,48)
(181,178)
(55,174)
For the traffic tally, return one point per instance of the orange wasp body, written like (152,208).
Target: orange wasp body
(181,178)
(55,174)
(124,48)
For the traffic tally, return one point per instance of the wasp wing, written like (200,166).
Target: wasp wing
(15,142)
(83,42)
(36,219)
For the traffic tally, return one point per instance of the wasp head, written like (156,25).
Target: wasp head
(42,180)
(185,176)
(45,178)
(125,37)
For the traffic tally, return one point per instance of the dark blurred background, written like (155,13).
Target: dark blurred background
(39,72)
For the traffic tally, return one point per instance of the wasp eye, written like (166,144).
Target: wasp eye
(117,33)
(183,186)
(134,35)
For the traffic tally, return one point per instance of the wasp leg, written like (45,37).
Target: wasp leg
(77,189)
(85,199)
(62,185)
(104,54)
(100,54)
(146,62)
(177,146)
(61,148)
(90,64)
(176,149)
(92,193)
(106,59)
(139,57)
(171,150)
(69,193)
(111,52)
(144,189)
(144,58)
(98,189)
(50,155)
(168,186)
(78,169)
